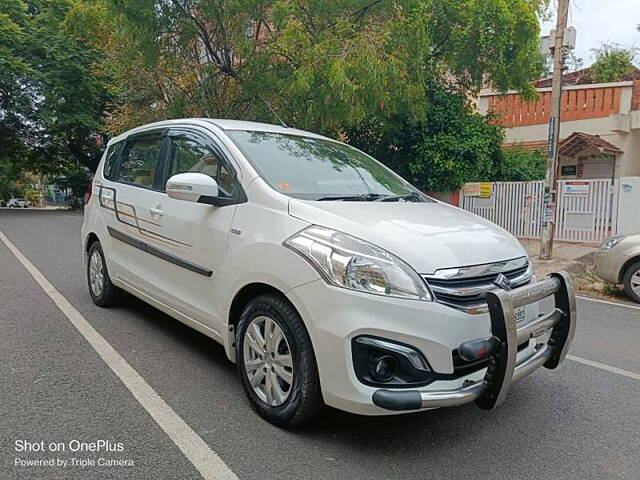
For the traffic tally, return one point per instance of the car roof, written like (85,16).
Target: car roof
(223,124)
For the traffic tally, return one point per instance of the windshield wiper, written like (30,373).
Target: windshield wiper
(365,197)
(395,198)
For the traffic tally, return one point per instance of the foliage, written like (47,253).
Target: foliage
(17,95)
(612,290)
(400,70)
(612,63)
(521,165)
(76,180)
(11,179)
(51,100)
(320,65)
(450,146)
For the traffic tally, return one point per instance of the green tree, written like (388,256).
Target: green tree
(612,63)
(321,65)
(451,145)
(9,174)
(17,90)
(51,100)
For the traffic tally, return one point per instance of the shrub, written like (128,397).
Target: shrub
(521,165)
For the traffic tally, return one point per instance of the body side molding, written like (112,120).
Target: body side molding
(156,252)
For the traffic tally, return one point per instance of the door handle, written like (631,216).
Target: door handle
(156,212)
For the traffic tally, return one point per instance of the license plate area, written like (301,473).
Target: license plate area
(502,370)
(526,314)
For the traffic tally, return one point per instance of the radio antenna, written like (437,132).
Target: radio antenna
(275,114)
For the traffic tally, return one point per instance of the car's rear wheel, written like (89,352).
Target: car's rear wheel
(276,362)
(632,282)
(102,291)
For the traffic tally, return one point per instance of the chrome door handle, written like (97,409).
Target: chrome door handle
(157,212)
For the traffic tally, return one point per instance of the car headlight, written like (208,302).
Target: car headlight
(348,262)
(609,243)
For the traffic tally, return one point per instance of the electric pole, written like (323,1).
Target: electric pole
(550,180)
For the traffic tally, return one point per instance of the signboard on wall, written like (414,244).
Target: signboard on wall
(576,189)
(569,171)
(478,189)
(471,189)
(579,221)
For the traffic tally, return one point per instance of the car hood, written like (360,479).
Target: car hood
(428,236)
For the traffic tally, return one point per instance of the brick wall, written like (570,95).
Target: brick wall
(580,104)
(635,98)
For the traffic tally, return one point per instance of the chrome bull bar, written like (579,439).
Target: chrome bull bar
(502,348)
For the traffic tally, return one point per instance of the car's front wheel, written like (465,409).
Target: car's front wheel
(102,291)
(632,282)
(276,362)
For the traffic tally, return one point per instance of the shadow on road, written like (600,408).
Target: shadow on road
(421,434)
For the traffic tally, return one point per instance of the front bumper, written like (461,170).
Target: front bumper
(609,263)
(503,369)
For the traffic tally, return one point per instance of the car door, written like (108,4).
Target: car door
(197,233)
(130,196)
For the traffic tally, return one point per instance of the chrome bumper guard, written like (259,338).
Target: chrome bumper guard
(502,348)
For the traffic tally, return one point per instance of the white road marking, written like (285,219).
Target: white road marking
(617,304)
(206,461)
(603,366)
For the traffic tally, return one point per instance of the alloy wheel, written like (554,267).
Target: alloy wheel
(635,282)
(268,362)
(96,273)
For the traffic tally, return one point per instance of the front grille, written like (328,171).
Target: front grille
(465,288)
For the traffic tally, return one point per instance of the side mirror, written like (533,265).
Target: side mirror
(194,187)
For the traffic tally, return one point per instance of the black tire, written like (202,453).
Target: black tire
(628,276)
(305,397)
(110,295)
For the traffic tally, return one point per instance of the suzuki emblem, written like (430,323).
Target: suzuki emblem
(503,282)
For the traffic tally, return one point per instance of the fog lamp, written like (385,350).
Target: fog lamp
(382,362)
(383,368)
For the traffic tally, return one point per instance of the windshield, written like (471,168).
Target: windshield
(317,169)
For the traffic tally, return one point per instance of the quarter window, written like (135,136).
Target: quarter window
(190,156)
(139,161)
(111,159)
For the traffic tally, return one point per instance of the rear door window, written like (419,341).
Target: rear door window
(140,161)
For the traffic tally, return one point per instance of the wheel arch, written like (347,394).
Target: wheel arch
(242,297)
(626,265)
(90,240)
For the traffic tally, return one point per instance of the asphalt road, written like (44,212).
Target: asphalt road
(577,422)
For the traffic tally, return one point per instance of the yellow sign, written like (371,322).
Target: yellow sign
(485,189)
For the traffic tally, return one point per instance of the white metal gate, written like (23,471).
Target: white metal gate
(583,212)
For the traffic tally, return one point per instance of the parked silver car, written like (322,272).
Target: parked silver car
(618,261)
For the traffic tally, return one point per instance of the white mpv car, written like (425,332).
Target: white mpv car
(326,277)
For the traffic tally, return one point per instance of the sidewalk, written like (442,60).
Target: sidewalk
(578,260)
(572,257)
